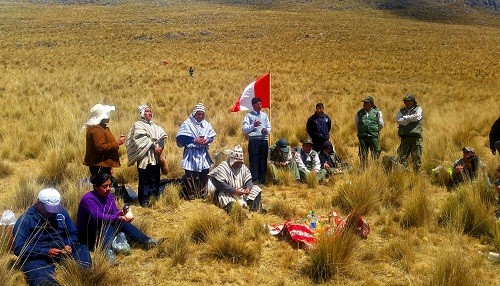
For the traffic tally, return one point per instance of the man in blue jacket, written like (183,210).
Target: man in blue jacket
(45,235)
(318,127)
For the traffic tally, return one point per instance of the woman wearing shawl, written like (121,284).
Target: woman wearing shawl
(195,135)
(233,182)
(144,146)
(101,148)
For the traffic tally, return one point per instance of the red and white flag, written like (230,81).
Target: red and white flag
(260,88)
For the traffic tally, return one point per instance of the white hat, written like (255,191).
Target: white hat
(50,198)
(236,155)
(198,107)
(98,112)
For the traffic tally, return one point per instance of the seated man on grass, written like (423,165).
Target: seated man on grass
(331,162)
(308,161)
(281,158)
(233,183)
(45,235)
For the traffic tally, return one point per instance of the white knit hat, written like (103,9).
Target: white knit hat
(198,107)
(236,155)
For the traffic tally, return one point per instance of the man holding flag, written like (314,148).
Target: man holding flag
(256,126)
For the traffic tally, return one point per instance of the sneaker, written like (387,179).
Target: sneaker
(152,243)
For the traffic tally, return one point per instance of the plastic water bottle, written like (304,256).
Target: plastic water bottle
(309,216)
(111,256)
(313,221)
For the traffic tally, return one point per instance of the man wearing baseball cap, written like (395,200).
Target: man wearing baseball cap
(308,161)
(45,235)
(409,119)
(281,157)
(467,168)
(368,122)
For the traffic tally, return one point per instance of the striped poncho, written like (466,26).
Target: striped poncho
(235,178)
(141,140)
(195,157)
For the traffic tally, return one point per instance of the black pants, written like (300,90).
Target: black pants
(257,155)
(149,183)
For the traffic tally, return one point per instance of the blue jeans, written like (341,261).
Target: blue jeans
(40,271)
(149,183)
(104,232)
(257,155)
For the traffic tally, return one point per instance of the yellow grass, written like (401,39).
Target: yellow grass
(57,61)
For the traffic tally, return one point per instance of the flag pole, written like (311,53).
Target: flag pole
(270,100)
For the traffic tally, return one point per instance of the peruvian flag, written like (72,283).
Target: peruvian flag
(260,88)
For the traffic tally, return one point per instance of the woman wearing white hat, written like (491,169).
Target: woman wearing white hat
(101,151)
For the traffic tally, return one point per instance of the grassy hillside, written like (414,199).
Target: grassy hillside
(57,61)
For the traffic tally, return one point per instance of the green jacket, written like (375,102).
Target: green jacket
(368,123)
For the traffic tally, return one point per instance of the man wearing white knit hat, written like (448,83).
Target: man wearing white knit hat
(233,182)
(195,135)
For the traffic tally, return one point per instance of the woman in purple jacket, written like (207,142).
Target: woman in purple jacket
(99,219)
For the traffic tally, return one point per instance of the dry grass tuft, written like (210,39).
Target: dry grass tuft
(496,235)
(331,256)
(235,249)
(237,214)
(8,276)
(177,248)
(5,169)
(25,194)
(466,212)
(69,272)
(283,209)
(169,199)
(204,224)
(311,180)
(452,269)
(362,195)
(417,209)
(54,169)
(400,251)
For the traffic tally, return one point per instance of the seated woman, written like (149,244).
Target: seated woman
(233,183)
(99,219)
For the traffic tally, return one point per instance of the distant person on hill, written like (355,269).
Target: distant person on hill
(409,119)
(45,235)
(256,126)
(281,157)
(368,122)
(144,146)
(233,183)
(101,148)
(191,71)
(331,162)
(495,137)
(98,218)
(195,134)
(318,127)
(308,161)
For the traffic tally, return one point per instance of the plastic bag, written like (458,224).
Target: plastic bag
(8,218)
(120,244)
